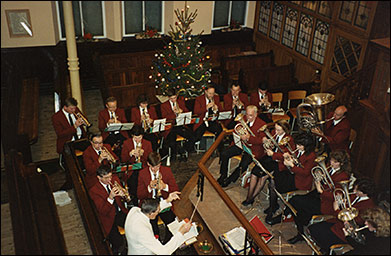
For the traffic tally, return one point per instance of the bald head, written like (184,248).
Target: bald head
(340,112)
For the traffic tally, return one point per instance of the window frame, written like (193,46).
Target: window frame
(143,20)
(63,37)
(229,16)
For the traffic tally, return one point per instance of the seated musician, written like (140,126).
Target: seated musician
(112,114)
(270,163)
(336,130)
(320,200)
(144,115)
(263,99)
(254,142)
(296,174)
(94,156)
(156,181)
(207,106)
(139,233)
(170,110)
(330,232)
(234,101)
(377,236)
(107,194)
(135,150)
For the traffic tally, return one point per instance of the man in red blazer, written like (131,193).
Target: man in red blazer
(66,125)
(135,149)
(111,210)
(170,109)
(156,181)
(144,115)
(263,99)
(337,131)
(112,114)
(328,233)
(234,101)
(294,176)
(254,143)
(94,156)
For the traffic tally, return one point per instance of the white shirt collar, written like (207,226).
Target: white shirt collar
(97,151)
(337,121)
(260,94)
(153,174)
(332,171)
(67,114)
(141,109)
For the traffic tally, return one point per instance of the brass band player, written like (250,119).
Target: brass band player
(144,115)
(234,101)
(263,99)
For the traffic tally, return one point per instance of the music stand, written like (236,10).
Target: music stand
(159,125)
(225,115)
(183,118)
(237,140)
(119,127)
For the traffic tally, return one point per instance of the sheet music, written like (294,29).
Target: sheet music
(159,125)
(237,140)
(225,115)
(236,238)
(119,126)
(180,120)
(175,225)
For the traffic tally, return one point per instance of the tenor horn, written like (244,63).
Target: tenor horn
(242,128)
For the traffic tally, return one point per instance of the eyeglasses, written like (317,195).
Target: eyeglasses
(97,142)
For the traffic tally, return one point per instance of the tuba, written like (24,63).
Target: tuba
(84,119)
(321,174)
(242,128)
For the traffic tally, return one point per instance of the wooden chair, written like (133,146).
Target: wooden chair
(352,138)
(277,97)
(339,249)
(295,95)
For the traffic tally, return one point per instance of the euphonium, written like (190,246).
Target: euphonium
(321,174)
(83,118)
(111,157)
(242,128)
(126,196)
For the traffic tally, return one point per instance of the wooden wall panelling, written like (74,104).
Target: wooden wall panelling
(127,95)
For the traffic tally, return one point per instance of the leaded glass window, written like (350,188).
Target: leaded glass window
(324,9)
(320,41)
(304,35)
(264,15)
(275,28)
(346,13)
(346,56)
(362,16)
(138,15)
(288,36)
(310,5)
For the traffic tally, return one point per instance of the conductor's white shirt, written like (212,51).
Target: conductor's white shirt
(140,237)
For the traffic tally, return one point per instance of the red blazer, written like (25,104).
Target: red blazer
(106,211)
(91,163)
(254,98)
(200,108)
(303,176)
(278,156)
(136,115)
(338,136)
(360,206)
(104,117)
(64,130)
(128,146)
(169,114)
(327,197)
(144,179)
(228,101)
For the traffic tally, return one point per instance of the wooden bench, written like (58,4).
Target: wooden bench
(29,109)
(35,222)
(94,229)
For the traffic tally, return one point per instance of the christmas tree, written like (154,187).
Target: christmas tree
(182,63)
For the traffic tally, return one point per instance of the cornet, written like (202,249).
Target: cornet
(145,121)
(83,118)
(237,102)
(140,152)
(111,157)
(126,195)
(177,109)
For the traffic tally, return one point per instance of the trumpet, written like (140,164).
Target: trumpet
(140,152)
(83,118)
(321,174)
(115,117)
(292,154)
(159,192)
(145,121)
(111,157)
(264,103)
(237,102)
(126,195)
(177,109)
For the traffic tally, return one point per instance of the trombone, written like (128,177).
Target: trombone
(83,118)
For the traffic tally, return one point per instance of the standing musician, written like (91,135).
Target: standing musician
(296,173)
(156,181)
(254,142)
(207,106)
(337,130)
(107,194)
(234,101)
(95,155)
(263,99)
(170,110)
(144,115)
(330,232)
(320,200)
(112,114)
(135,150)
(270,161)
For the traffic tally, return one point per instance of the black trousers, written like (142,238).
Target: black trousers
(324,237)
(268,163)
(167,217)
(115,238)
(186,133)
(153,138)
(214,127)
(132,186)
(306,206)
(284,181)
(231,152)
(265,117)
